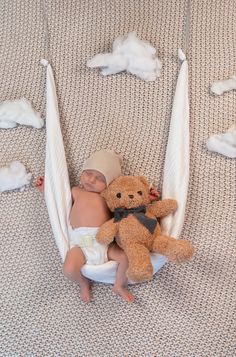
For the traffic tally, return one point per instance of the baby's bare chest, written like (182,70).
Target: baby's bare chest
(86,202)
(89,210)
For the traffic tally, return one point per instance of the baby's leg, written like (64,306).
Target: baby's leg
(74,261)
(119,288)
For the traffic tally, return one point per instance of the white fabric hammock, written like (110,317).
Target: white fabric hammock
(176,167)
(57,186)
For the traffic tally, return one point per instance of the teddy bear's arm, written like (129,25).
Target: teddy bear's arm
(163,208)
(107,232)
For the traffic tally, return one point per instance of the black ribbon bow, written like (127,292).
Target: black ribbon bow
(139,213)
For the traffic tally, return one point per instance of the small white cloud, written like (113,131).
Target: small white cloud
(224,144)
(129,54)
(4,124)
(21,112)
(226,85)
(14,176)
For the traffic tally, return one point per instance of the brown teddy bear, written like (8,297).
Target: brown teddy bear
(136,228)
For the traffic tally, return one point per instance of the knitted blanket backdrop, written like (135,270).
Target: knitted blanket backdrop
(186,310)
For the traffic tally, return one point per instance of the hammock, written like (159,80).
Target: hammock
(175,182)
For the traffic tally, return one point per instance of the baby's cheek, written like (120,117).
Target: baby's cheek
(100,187)
(103,185)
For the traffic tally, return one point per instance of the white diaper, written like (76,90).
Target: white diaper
(85,238)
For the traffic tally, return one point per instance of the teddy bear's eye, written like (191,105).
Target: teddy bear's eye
(118,195)
(140,193)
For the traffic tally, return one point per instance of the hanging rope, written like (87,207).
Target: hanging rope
(46,29)
(186,34)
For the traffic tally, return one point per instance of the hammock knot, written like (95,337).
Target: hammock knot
(44,62)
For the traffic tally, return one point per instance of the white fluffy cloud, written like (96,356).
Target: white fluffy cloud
(21,112)
(14,176)
(226,85)
(129,54)
(224,144)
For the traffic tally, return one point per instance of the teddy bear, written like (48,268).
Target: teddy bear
(136,228)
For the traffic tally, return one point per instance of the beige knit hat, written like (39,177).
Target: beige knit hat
(105,161)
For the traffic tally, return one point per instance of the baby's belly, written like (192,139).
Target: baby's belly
(88,218)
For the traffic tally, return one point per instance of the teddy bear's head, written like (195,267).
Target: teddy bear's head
(127,192)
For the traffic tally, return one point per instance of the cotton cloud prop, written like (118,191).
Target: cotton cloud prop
(129,54)
(224,144)
(226,85)
(21,112)
(14,176)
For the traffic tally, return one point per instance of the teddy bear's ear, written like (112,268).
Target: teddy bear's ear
(143,180)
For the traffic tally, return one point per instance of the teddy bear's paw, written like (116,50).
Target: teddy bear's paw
(140,275)
(171,204)
(174,205)
(182,252)
(102,239)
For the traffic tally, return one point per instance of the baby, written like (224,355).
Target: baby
(89,211)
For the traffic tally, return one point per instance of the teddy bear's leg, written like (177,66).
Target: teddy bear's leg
(140,265)
(177,250)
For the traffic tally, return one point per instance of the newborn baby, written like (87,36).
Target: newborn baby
(89,211)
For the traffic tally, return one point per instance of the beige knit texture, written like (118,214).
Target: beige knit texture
(185,311)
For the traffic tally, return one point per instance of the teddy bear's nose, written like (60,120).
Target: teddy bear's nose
(131,196)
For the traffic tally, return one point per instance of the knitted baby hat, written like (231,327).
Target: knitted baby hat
(105,161)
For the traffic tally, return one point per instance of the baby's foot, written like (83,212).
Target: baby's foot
(85,292)
(124,293)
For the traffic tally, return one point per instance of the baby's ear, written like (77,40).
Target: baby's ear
(144,181)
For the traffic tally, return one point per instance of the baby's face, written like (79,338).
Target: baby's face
(93,181)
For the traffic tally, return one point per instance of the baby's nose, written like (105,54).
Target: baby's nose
(131,196)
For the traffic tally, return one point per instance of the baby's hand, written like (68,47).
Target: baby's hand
(154,194)
(39,183)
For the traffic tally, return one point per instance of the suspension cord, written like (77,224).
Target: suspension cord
(187,28)
(46,30)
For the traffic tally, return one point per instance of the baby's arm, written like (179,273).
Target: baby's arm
(74,192)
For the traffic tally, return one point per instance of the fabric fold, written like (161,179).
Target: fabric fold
(57,185)
(176,166)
